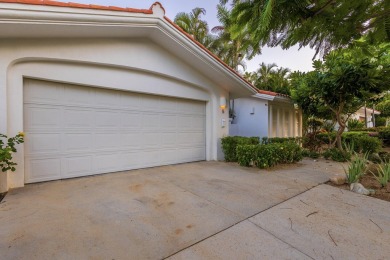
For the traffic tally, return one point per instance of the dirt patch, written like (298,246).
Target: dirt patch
(369,182)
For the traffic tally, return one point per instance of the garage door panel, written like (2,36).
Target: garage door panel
(100,131)
(107,119)
(46,92)
(107,98)
(76,142)
(106,141)
(150,121)
(168,122)
(106,162)
(74,166)
(131,140)
(130,120)
(39,117)
(78,118)
(77,96)
(43,169)
(43,143)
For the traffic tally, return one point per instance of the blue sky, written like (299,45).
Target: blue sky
(292,58)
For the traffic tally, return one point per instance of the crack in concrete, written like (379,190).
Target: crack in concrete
(246,219)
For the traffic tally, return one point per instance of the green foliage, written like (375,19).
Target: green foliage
(230,143)
(7,148)
(341,83)
(384,134)
(337,155)
(380,121)
(246,154)
(322,24)
(270,140)
(385,156)
(361,141)
(369,145)
(356,168)
(268,155)
(270,77)
(384,106)
(192,24)
(354,124)
(383,174)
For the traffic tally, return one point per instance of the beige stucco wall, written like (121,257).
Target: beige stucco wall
(125,64)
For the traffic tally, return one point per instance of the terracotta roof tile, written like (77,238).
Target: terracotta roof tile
(77,5)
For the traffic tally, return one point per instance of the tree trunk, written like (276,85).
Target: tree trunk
(340,131)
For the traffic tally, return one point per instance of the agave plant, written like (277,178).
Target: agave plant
(383,174)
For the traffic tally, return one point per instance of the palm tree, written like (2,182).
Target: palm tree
(264,76)
(231,51)
(192,24)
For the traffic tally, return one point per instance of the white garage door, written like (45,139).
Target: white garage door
(76,131)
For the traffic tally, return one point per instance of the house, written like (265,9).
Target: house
(361,115)
(103,89)
(265,114)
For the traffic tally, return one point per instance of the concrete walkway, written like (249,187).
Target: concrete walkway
(205,210)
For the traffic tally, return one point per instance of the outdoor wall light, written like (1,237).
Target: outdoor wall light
(222,104)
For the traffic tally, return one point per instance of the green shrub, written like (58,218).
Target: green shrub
(230,143)
(356,168)
(384,135)
(268,155)
(271,140)
(327,154)
(246,154)
(7,148)
(337,155)
(367,144)
(383,174)
(380,121)
(355,124)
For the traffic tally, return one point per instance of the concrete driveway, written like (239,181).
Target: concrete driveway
(205,210)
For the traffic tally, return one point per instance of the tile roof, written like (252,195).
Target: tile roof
(143,11)
(77,5)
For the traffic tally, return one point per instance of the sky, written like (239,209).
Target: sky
(291,58)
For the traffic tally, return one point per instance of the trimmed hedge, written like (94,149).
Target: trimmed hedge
(266,140)
(268,155)
(230,143)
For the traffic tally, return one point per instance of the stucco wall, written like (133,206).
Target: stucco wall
(251,117)
(124,64)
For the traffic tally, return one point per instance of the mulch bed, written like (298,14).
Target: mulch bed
(369,182)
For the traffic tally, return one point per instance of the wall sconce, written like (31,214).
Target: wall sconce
(222,104)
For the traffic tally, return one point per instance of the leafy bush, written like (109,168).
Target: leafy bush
(367,144)
(380,121)
(246,154)
(384,135)
(7,147)
(230,143)
(337,155)
(355,124)
(267,140)
(356,168)
(268,155)
(361,141)
(310,154)
(383,174)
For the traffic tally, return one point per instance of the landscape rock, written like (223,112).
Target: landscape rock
(338,179)
(359,188)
